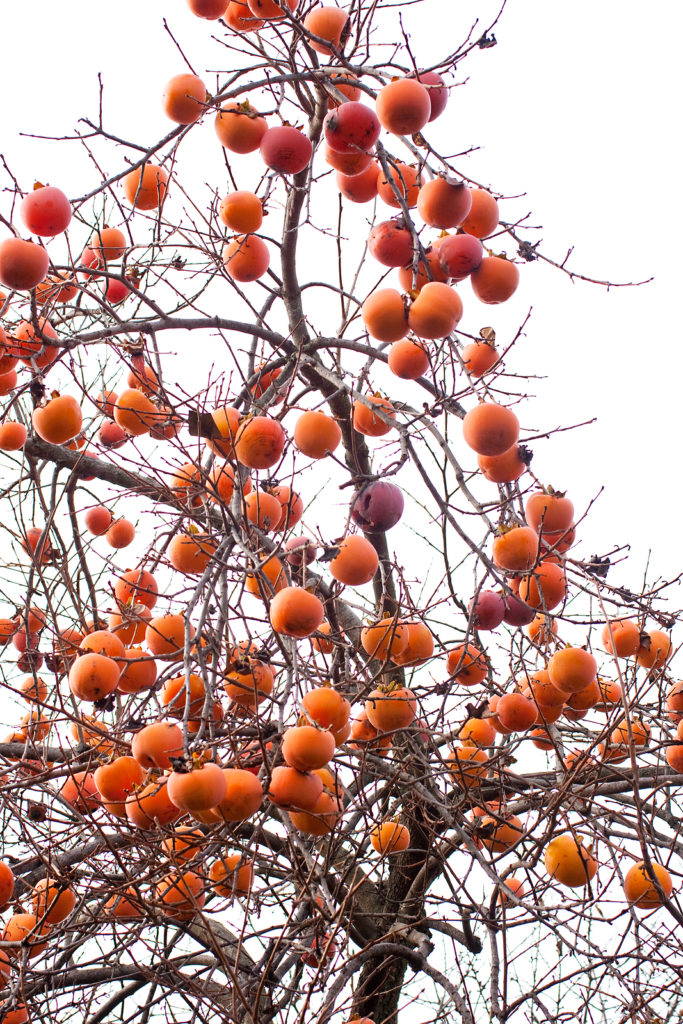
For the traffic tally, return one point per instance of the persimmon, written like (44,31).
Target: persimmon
(243,795)
(93,676)
(326,707)
(545,587)
(390,242)
(443,202)
(495,280)
(621,637)
(211,10)
(248,682)
(23,932)
(285,149)
(268,578)
(185,843)
(295,612)
(52,902)
(239,127)
(197,790)
(129,624)
(490,429)
(239,18)
(351,127)
(482,220)
(260,442)
(184,98)
(246,258)
(316,434)
(12,436)
(499,831)
(291,504)
(59,287)
(402,179)
(181,895)
(364,735)
(145,187)
(569,862)
(544,691)
(345,83)
(427,267)
(389,837)
(384,315)
(108,244)
(467,765)
(654,649)
(151,806)
(516,712)
(610,694)
(391,710)
(178,693)
(272,10)
(515,550)
(321,641)
(633,734)
(351,164)
(230,874)
(322,817)
(119,778)
(477,732)
(572,669)
(136,586)
(646,887)
(384,639)
(58,420)
(102,641)
(241,211)
(358,188)
(408,359)
(467,664)
(327,23)
(403,106)
(479,357)
(436,311)
(585,699)
(23,265)
(135,413)
(290,787)
(126,906)
(191,553)
(120,534)
(365,420)
(305,747)
(165,635)
(420,646)
(548,511)
(46,211)
(8,381)
(6,884)
(356,561)
(154,745)
(79,790)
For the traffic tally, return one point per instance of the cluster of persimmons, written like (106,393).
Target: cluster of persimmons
(208,732)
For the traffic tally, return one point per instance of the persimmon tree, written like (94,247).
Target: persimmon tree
(316,713)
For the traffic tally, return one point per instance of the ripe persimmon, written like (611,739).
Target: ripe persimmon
(569,862)
(420,646)
(230,874)
(327,23)
(436,311)
(93,676)
(402,179)
(243,795)
(403,106)
(136,586)
(654,649)
(444,203)
(322,817)
(356,562)
(515,550)
(505,468)
(545,587)
(120,534)
(145,187)
(467,664)
(23,265)
(239,127)
(549,511)
(197,790)
(572,669)
(647,887)
(291,788)
(621,637)
(241,211)
(181,895)
(479,357)
(165,635)
(390,242)
(392,709)
(285,149)
(365,421)
(384,315)
(316,434)
(260,442)
(389,837)
(59,420)
(183,98)
(191,553)
(495,280)
(246,258)
(305,747)
(296,612)
(490,429)
(482,220)
(408,359)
